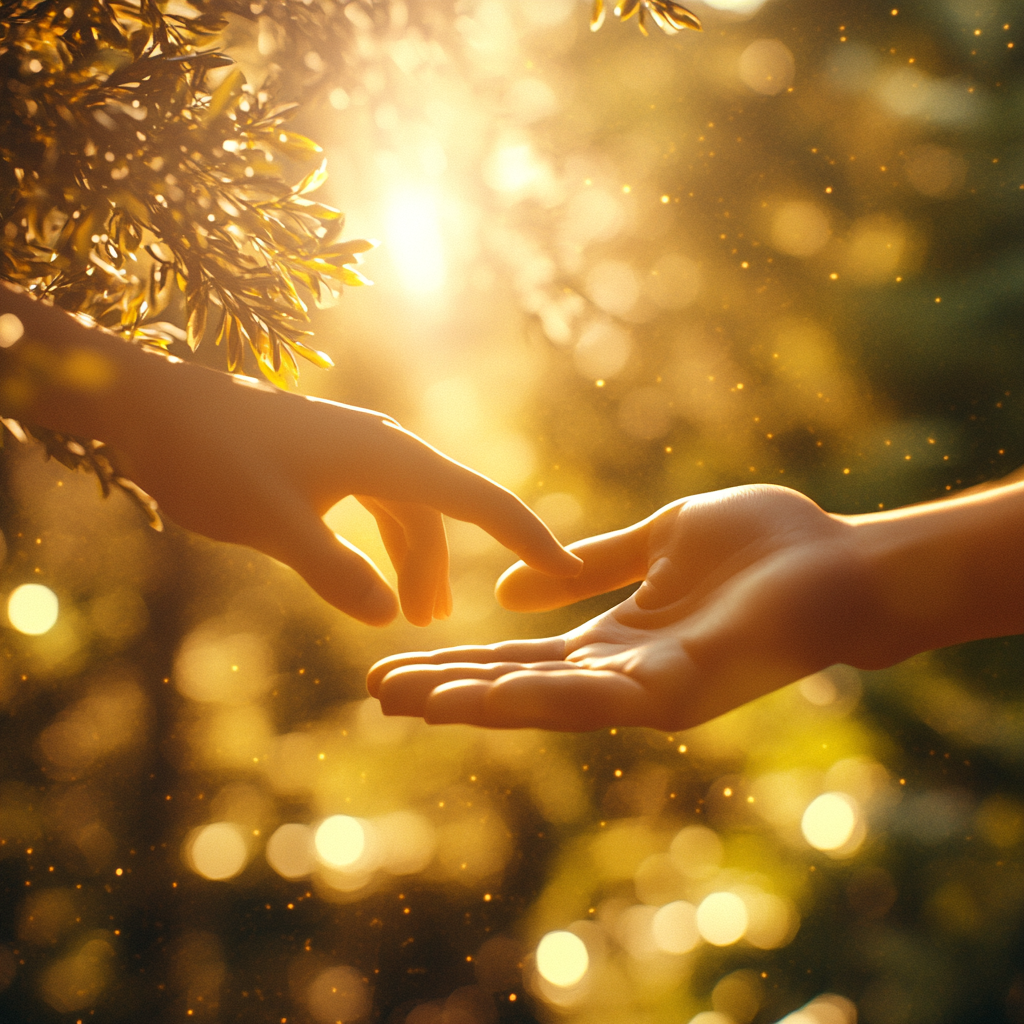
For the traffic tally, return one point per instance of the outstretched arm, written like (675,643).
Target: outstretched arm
(237,460)
(744,591)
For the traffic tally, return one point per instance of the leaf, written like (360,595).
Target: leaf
(207,60)
(353,278)
(234,345)
(294,144)
(312,181)
(196,325)
(316,357)
(677,15)
(225,96)
(356,245)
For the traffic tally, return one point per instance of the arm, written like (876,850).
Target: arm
(237,460)
(744,591)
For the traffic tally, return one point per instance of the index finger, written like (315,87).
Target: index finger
(610,561)
(409,469)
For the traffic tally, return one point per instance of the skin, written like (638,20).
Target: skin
(239,461)
(742,591)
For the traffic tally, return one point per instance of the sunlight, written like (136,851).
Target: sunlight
(722,918)
(415,242)
(218,851)
(562,959)
(11,330)
(290,851)
(32,609)
(829,821)
(675,927)
(340,841)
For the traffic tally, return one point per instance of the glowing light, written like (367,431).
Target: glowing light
(562,959)
(408,841)
(735,6)
(675,927)
(767,66)
(530,100)
(739,995)
(722,918)
(825,1009)
(635,931)
(77,981)
(800,229)
(696,851)
(512,169)
(11,330)
(613,286)
(818,689)
(415,242)
(773,921)
(32,609)
(674,281)
(829,821)
(935,171)
(602,351)
(338,994)
(340,841)
(214,666)
(876,248)
(218,851)
(290,851)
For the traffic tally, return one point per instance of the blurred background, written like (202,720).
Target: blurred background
(614,270)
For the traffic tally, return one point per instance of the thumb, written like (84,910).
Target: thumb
(610,561)
(340,573)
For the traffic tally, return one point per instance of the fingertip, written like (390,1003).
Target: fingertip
(521,588)
(377,671)
(570,565)
(576,564)
(443,601)
(379,606)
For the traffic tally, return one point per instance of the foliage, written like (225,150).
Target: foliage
(114,760)
(666,14)
(140,168)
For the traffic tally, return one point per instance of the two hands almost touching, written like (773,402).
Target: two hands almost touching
(237,460)
(743,591)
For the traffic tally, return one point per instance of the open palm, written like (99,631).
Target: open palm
(743,591)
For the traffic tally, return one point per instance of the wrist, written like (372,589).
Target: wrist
(942,573)
(60,373)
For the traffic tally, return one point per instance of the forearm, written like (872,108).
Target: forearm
(66,376)
(945,572)
(86,382)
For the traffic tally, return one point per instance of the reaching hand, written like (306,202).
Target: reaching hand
(243,462)
(743,591)
(237,460)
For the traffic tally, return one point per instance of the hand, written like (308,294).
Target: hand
(237,460)
(743,591)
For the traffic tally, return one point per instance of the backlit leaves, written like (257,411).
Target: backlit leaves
(666,14)
(141,183)
(118,137)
